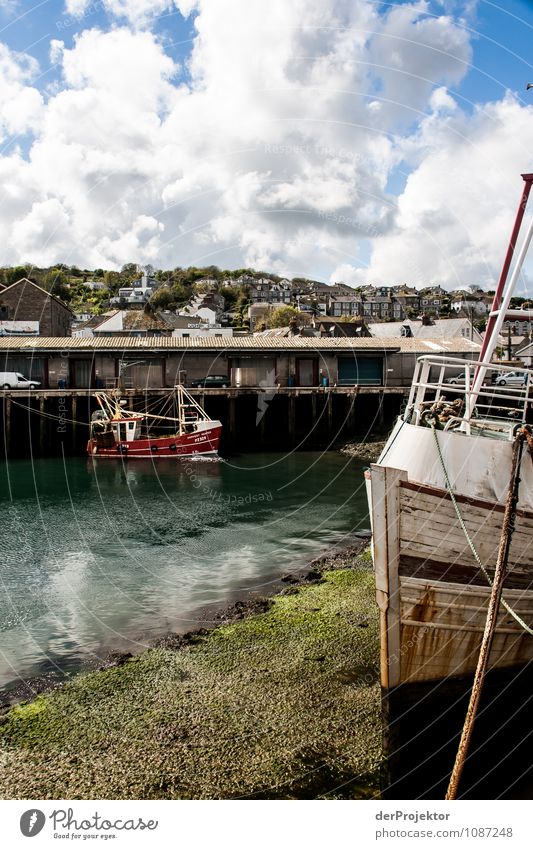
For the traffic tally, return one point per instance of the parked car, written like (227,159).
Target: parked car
(460,378)
(15,380)
(513,378)
(212,380)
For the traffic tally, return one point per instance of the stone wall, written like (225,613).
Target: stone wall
(28,302)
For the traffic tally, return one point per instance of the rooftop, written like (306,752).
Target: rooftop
(243,343)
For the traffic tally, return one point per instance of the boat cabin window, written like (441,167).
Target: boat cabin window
(125,431)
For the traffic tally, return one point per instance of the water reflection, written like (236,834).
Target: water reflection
(105,555)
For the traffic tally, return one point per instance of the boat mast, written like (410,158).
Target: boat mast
(503,294)
(181,410)
(528,179)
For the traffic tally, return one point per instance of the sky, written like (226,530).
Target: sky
(341,140)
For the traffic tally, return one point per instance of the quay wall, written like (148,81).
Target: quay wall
(55,423)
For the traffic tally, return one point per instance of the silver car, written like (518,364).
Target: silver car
(513,378)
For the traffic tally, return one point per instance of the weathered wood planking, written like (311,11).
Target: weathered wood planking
(430,529)
(442,625)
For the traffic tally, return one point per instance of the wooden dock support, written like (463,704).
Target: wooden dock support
(7,424)
(42,427)
(74,421)
(381,411)
(330,413)
(232,418)
(350,417)
(292,419)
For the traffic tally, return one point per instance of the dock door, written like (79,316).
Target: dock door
(362,371)
(306,372)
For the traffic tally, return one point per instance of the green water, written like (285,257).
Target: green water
(109,556)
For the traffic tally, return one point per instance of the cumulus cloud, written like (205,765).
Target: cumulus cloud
(137,12)
(275,149)
(455,215)
(21,104)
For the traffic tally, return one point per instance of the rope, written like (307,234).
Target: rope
(48,415)
(491,620)
(477,558)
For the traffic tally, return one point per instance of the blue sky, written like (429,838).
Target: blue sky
(347,140)
(502,35)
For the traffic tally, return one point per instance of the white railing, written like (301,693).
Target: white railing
(442,392)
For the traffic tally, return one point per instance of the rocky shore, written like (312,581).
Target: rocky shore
(281,700)
(365,450)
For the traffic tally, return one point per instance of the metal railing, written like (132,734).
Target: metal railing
(442,389)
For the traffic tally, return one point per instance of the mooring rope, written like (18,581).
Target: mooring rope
(477,558)
(48,415)
(491,620)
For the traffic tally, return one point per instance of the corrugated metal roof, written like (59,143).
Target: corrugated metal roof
(243,343)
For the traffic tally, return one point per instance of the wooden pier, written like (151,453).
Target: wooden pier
(51,422)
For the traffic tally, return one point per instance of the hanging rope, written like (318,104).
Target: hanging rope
(460,519)
(61,419)
(492,615)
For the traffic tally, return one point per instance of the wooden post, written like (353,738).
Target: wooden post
(42,426)
(7,424)
(330,412)
(74,421)
(232,417)
(292,417)
(381,411)
(386,554)
(350,418)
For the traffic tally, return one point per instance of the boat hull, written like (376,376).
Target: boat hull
(431,592)
(200,443)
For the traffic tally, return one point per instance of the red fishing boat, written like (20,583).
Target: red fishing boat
(119,432)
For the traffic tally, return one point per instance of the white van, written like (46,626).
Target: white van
(16,380)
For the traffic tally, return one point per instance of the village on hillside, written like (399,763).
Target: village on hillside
(197,302)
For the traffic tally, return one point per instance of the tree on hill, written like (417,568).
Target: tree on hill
(113,280)
(130,271)
(170,297)
(57,283)
(283,316)
(11,275)
(234,297)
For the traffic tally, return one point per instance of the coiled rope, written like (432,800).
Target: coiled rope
(476,556)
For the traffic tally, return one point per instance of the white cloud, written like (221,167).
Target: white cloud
(76,7)
(21,105)
(9,7)
(276,152)
(137,12)
(456,212)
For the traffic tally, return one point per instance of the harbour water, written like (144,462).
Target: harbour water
(109,556)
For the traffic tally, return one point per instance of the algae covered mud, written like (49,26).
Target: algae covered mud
(110,556)
(285,704)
